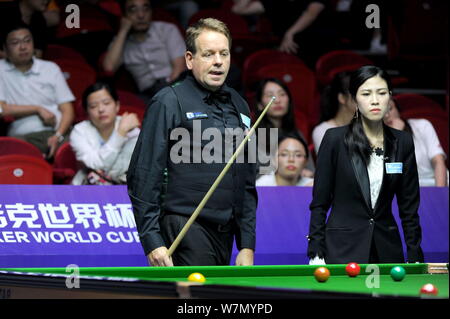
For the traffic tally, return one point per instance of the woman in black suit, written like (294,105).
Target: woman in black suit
(360,167)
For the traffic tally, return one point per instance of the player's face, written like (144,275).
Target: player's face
(279,107)
(19,47)
(140,13)
(211,62)
(102,109)
(291,158)
(372,98)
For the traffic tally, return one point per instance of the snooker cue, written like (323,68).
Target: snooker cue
(197,211)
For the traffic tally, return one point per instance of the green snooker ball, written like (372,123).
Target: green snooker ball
(398,273)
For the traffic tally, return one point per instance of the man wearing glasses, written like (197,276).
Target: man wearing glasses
(152,51)
(35,93)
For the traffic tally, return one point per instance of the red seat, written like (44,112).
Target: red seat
(12,145)
(129,98)
(24,169)
(260,58)
(92,19)
(338,58)
(244,45)
(140,112)
(56,51)
(235,23)
(65,165)
(419,104)
(78,76)
(110,6)
(302,84)
(425,41)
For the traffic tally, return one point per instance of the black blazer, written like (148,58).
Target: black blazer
(342,182)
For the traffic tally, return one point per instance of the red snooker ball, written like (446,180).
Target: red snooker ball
(321,274)
(353,269)
(428,289)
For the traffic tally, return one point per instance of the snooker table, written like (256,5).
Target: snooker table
(275,282)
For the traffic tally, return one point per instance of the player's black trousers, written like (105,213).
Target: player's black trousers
(205,244)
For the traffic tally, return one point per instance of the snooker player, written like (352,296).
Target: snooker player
(230,212)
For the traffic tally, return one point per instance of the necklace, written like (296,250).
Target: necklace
(378,151)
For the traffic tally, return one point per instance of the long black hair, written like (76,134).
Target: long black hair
(329,103)
(355,138)
(288,121)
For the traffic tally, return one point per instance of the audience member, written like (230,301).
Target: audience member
(104,143)
(337,107)
(280,114)
(29,12)
(291,158)
(152,51)
(51,14)
(430,156)
(182,9)
(36,93)
(298,23)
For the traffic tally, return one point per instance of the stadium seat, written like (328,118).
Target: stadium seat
(129,98)
(111,6)
(425,41)
(328,62)
(65,165)
(78,76)
(92,19)
(258,59)
(24,169)
(419,104)
(140,112)
(301,81)
(12,145)
(56,51)
(244,45)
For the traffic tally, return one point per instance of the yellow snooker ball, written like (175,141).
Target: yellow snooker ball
(196,277)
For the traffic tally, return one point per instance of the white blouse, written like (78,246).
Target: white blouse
(376,172)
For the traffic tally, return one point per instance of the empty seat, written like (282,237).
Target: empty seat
(12,145)
(328,62)
(65,165)
(24,169)
(258,59)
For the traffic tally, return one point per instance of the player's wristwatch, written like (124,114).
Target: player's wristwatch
(60,137)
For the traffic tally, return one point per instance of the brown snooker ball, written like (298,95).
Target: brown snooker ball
(322,274)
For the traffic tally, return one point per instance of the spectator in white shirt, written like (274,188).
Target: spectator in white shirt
(430,156)
(35,92)
(104,143)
